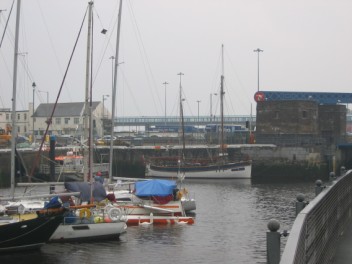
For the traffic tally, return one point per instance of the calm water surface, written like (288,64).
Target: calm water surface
(230,227)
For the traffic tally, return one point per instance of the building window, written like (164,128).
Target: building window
(25,116)
(58,121)
(67,119)
(19,129)
(304,114)
(18,116)
(25,129)
(76,121)
(7,116)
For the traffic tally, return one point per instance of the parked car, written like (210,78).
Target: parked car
(104,140)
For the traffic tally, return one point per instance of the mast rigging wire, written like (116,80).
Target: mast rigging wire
(49,121)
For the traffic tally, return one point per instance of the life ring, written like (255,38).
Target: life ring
(115,214)
(107,208)
(84,213)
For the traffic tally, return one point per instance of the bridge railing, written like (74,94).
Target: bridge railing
(318,227)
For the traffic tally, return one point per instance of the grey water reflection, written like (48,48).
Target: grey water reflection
(230,227)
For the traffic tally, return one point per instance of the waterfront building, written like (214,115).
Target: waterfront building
(300,122)
(67,119)
(22,120)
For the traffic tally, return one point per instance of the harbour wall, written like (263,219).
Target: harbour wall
(269,162)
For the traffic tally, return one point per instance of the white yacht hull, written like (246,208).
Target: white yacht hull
(81,232)
(228,171)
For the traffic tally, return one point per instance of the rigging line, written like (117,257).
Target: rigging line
(238,79)
(137,32)
(7,22)
(90,143)
(51,43)
(131,93)
(49,121)
(103,52)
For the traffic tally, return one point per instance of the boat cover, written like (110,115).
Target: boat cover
(155,188)
(99,192)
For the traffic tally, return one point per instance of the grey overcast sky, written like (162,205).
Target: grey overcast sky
(306,47)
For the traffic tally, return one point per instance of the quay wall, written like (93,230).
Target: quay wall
(270,162)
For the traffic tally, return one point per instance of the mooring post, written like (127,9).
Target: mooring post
(273,242)
(332,176)
(300,203)
(342,170)
(318,187)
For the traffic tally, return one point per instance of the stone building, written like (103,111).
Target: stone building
(300,122)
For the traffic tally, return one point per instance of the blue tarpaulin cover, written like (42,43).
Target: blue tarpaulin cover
(155,187)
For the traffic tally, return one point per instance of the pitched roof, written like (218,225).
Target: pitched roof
(62,109)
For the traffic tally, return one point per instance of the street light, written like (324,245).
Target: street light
(211,106)
(112,58)
(165,83)
(104,98)
(258,51)
(33,85)
(198,101)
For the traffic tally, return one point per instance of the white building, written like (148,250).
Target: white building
(67,119)
(22,119)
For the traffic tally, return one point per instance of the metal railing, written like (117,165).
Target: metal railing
(319,226)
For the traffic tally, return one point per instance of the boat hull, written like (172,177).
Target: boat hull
(241,170)
(133,220)
(28,234)
(86,232)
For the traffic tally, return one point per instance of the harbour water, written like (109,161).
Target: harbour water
(230,227)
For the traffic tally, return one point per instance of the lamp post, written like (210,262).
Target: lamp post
(211,106)
(112,58)
(258,51)
(47,95)
(104,98)
(198,101)
(33,85)
(165,83)
(103,116)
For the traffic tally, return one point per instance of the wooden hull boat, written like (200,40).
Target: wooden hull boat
(28,234)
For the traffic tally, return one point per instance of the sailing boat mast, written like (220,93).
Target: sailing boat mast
(114,93)
(182,121)
(222,102)
(13,117)
(86,120)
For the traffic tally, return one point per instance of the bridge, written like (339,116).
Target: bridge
(188,120)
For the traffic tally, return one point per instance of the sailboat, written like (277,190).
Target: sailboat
(31,233)
(90,221)
(215,168)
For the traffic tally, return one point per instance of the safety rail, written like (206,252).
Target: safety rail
(319,226)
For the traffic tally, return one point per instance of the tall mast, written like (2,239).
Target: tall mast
(13,116)
(86,121)
(222,101)
(182,120)
(114,92)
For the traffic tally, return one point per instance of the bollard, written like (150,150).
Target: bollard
(342,170)
(318,187)
(332,176)
(273,242)
(300,204)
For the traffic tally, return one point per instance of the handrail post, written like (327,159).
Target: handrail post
(273,242)
(332,176)
(300,203)
(318,187)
